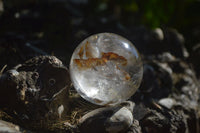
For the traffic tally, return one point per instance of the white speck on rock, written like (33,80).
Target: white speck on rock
(167,102)
(60,110)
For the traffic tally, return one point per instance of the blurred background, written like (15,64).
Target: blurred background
(56,27)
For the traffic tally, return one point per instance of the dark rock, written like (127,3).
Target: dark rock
(140,111)
(149,73)
(158,41)
(169,121)
(37,89)
(168,97)
(190,118)
(166,57)
(160,84)
(185,84)
(108,120)
(135,127)
(174,43)
(195,60)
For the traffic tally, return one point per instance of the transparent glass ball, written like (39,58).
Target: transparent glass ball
(106,69)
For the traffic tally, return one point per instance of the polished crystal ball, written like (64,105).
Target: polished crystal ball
(106,69)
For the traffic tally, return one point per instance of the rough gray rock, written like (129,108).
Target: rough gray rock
(135,127)
(116,119)
(167,100)
(165,122)
(37,89)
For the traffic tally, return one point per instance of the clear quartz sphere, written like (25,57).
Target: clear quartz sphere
(106,69)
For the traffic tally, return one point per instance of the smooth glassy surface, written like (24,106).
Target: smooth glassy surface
(106,69)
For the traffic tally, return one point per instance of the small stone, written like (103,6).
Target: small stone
(108,119)
(106,69)
(167,102)
(158,33)
(140,111)
(6,127)
(166,57)
(119,121)
(166,67)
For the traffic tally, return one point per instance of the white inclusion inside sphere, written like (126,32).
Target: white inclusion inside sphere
(106,69)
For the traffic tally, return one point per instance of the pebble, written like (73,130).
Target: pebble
(113,119)
(167,102)
(6,127)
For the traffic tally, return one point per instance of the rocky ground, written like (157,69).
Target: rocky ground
(37,95)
